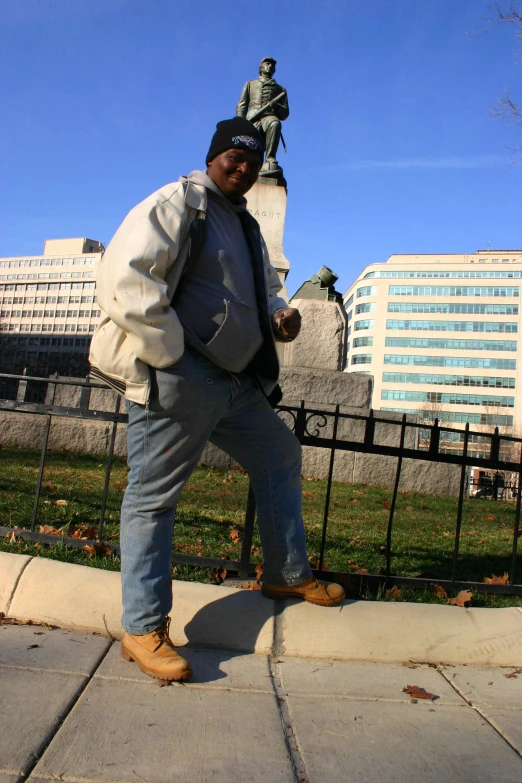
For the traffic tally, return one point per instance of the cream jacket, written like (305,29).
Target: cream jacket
(136,280)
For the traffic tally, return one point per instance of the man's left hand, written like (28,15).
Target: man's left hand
(287,322)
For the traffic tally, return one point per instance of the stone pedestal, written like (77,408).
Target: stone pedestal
(267,203)
(321,342)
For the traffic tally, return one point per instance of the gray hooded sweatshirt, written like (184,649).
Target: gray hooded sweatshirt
(216,299)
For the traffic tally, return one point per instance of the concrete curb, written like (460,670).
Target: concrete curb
(88,599)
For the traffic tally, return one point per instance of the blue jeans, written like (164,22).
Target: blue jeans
(193,402)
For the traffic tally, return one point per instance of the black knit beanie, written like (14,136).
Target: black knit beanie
(236,133)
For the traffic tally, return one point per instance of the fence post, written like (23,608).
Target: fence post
(109,467)
(328,489)
(394,499)
(248,532)
(516,526)
(460,506)
(51,393)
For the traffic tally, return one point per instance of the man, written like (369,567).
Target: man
(188,337)
(255,96)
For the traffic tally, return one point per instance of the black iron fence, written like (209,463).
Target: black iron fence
(336,431)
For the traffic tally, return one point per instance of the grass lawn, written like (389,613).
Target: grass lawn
(213,504)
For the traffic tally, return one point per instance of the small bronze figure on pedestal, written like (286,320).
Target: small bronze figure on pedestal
(265,103)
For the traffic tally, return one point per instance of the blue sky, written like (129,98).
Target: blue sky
(391,148)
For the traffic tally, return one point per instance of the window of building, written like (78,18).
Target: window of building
(60,314)
(349,302)
(367,290)
(365,307)
(70,327)
(450,361)
(84,313)
(452,326)
(72,313)
(48,313)
(362,358)
(360,342)
(432,379)
(366,324)
(452,398)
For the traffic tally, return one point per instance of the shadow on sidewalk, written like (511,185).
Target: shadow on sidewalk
(233,626)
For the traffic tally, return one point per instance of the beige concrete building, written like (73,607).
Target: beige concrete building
(48,307)
(440,335)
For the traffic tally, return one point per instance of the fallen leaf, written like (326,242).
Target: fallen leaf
(385,504)
(438,591)
(418,693)
(258,571)
(251,586)
(307,494)
(234,534)
(490,683)
(221,576)
(362,571)
(463,598)
(101,549)
(497,580)
(409,508)
(393,594)
(513,675)
(49,530)
(32,646)
(472,532)
(61,502)
(162,684)
(490,518)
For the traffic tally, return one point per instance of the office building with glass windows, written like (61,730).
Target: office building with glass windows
(48,308)
(440,335)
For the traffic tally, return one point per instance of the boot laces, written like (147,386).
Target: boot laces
(161,634)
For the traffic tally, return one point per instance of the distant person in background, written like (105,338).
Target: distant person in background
(191,312)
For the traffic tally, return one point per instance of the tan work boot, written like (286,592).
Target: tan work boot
(321,593)
(155,654)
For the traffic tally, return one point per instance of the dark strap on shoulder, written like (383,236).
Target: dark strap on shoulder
(265,362)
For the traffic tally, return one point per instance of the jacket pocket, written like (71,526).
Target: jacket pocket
(236,341)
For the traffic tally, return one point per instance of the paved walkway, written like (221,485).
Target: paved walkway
(71,709)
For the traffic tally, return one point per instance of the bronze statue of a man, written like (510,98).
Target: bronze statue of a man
(265,103)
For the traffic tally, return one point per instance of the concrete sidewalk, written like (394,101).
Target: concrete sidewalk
(71,709)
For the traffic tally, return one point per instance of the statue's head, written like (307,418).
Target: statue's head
(267,66)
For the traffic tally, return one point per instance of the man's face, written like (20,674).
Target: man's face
(267,68)
(234,172)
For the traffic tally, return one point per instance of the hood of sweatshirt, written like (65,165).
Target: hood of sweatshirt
(202,178)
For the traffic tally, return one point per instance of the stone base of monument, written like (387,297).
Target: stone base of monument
(321,341)
(266,202)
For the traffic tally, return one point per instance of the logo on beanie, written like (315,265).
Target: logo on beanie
(249,141)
